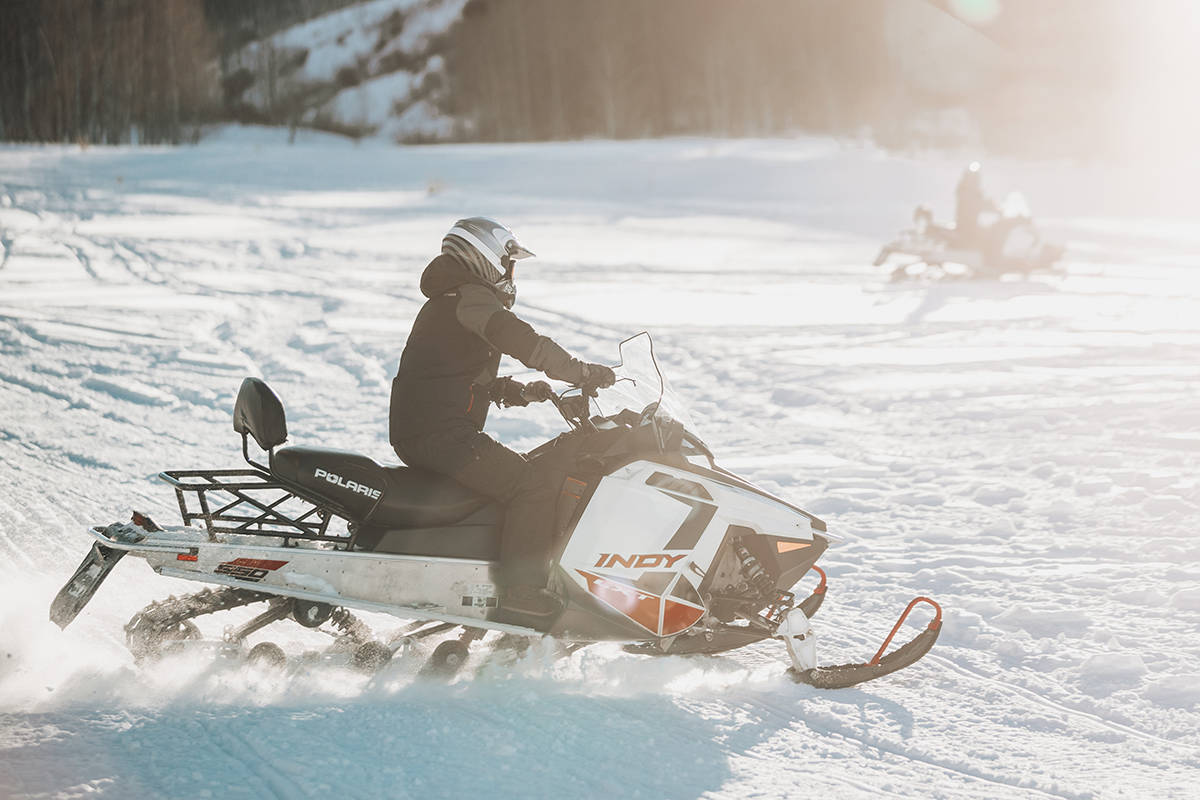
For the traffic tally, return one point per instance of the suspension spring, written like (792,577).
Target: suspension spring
(350,625)
(752,569)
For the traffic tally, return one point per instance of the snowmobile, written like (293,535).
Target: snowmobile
(1007,241)
(658,546)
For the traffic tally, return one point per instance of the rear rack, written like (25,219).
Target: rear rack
(249,502)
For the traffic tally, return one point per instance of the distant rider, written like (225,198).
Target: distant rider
(448,377)
(970,202)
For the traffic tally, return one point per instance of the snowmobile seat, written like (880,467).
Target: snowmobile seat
(417,498)
(375,495)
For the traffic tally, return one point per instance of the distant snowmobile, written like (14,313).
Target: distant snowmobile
(658,548)
(1006,242)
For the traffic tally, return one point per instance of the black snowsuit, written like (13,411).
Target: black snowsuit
(440,399)
(970,202)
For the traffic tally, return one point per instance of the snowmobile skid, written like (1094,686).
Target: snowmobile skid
(658,547)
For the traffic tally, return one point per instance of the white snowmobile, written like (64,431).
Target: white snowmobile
(1007,241)
(658,547)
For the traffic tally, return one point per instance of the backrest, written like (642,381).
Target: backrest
(259,413)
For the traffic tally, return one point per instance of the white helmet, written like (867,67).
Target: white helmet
(488,249)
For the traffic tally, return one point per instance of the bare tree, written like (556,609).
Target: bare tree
(101,71)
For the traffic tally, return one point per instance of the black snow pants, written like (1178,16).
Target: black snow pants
(479,462)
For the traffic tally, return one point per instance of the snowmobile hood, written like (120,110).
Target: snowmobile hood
(445,274)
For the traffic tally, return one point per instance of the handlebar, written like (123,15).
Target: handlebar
(575,409)
(574,405)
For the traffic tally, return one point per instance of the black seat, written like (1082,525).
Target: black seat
(417,498)
(387,497)
(397,509)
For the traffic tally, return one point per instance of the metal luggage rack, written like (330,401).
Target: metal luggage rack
(249,502)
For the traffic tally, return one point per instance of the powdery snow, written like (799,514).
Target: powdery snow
(1186,600)
(1024,450)
(1113,668)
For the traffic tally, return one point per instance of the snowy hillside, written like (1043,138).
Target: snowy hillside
(371,69)
(1026,451)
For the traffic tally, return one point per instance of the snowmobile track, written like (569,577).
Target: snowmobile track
(1046,702)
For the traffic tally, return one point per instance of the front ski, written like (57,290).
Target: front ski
(798,637)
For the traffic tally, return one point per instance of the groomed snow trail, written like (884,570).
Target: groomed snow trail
(1023,450)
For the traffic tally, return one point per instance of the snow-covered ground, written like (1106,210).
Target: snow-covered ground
(1024,450)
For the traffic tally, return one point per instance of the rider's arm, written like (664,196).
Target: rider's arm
(480,311)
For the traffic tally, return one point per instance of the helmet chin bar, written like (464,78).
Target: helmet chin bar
(509,290)
(506,285)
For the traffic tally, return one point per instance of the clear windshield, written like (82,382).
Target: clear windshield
(641,385)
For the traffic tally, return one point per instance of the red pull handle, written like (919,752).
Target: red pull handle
(934,624)
(821,586)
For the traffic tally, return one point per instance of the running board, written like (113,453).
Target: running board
(431,613)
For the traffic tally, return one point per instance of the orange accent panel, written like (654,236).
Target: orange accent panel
(787,547)
(679,617)
(639,606)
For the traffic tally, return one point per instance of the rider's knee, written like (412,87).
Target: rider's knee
(534,488)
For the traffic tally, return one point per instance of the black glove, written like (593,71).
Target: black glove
(505,392)
(597,376)
(536,392)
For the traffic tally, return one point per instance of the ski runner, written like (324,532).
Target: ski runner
(448,377)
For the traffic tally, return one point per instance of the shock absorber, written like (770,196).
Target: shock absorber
(350,625)
(752,569)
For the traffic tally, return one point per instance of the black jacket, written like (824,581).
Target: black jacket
(970,202)
(453,353)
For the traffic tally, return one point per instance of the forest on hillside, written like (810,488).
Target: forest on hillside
(534,69)
(106,71)
(1018,75)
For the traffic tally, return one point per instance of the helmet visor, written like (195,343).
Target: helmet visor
(514,250)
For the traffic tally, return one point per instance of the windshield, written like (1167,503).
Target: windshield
(641,385)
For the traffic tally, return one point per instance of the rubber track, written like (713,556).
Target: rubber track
(159,621)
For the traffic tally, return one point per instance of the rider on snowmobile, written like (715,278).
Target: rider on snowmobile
(970,202)
(448,377)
